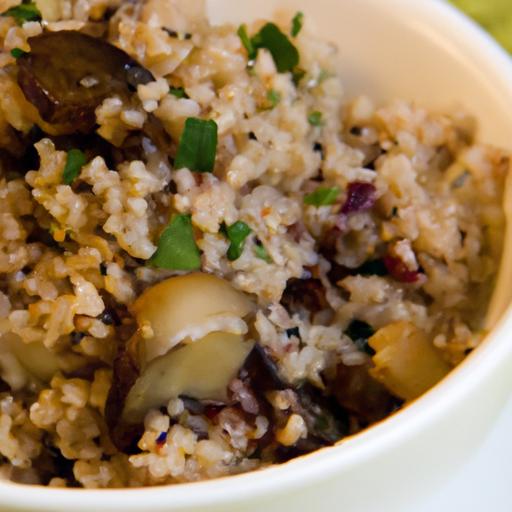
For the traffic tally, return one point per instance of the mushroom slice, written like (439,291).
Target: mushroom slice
(67,74)
(37,360)
(189,306)
(200,369)
(406,362)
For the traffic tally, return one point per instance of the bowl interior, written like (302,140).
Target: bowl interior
(417,50)
(387,52)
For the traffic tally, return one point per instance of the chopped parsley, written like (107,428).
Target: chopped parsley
(274,97)
(27,11)
(75,161)
(247,42)
(17,53)
(261,253)
(177,248)
(315,118)
(285,54)
(297,23)
(198,145)
(178,92)
(236,234)
(322,196)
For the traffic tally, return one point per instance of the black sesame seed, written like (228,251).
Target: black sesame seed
(177,35)
(110,317)
(294,331)
(252,136)
(103,269)
(319,149)
(356,131)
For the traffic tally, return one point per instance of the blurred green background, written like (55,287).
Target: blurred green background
(494,15)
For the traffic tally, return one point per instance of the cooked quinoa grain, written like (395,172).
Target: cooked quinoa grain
(211,259)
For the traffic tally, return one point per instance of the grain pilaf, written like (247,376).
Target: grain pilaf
(211,260)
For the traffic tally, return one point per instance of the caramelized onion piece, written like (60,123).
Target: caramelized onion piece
(67,74)
(406,362)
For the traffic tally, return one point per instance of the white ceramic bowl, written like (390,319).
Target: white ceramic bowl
(417,49)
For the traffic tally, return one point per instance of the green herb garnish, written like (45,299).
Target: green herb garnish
(177,249)
(179,92)
(24,12)
(315,118)
(323,76)
(247,42)
(261,253)
(198,146)
(17,53)
(322,196)
(284,53)
(236,234)
(297,22)
(75,161)
(273,97)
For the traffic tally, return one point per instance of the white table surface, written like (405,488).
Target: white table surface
(484,484)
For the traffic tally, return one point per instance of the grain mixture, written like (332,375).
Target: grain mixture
(211,260)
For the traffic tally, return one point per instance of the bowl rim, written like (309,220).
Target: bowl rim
(394,430)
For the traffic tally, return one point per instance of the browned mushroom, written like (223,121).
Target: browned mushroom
(190,342)
(67,74)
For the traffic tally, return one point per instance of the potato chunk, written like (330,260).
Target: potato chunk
(189,306)
(406,362)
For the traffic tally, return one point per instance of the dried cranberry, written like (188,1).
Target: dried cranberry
(360,197)
(398,270)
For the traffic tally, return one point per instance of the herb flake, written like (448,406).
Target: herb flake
(322,196)
(24,12)
(273,97)
(236,234)
(284,53)
(315,118)
(247,42)
(76,159)
(17,53)
(297,23)
(177,248)
(198,145)
(178,92)
(261,253)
